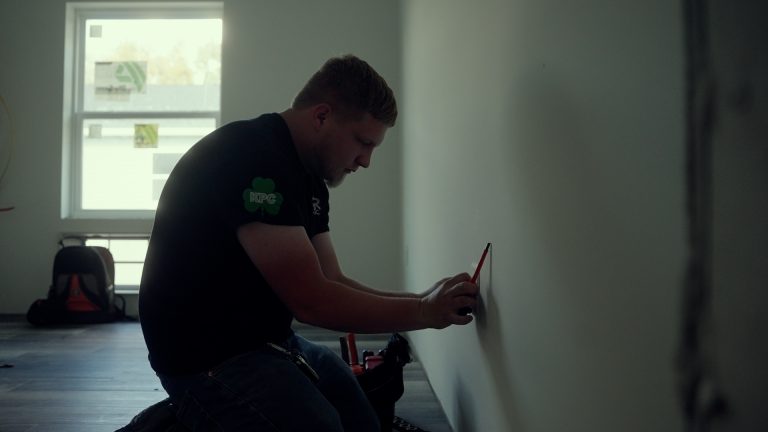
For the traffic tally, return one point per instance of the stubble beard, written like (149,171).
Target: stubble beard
(334,181)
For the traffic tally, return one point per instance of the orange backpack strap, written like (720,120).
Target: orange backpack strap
(76,300)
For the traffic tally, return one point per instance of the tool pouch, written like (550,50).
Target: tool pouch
(383,385)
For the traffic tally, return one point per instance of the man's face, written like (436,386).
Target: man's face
(347,145)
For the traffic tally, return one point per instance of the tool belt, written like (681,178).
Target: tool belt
(380,375)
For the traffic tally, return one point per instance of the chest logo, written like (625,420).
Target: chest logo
(262,196)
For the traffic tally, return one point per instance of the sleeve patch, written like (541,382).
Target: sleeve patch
(262,196)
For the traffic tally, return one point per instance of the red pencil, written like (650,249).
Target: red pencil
(480,264)
(468,310)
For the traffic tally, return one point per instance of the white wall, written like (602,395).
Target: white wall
(31,81)
(554,130)
(270,49)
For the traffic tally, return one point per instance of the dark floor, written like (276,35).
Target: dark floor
(96,378)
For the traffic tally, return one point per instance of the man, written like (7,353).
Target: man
(241,247)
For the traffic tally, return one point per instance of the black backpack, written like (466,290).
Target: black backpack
(82,290)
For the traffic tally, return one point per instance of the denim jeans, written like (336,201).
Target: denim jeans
(263,390)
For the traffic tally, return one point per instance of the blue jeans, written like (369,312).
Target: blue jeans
(263,390)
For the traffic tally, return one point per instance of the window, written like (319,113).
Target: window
(128,252)
(142,86)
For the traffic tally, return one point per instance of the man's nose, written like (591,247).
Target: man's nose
(364,160)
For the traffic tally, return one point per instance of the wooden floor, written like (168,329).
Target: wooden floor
(95,378)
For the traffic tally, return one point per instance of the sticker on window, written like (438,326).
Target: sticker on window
(145,135)
(117,80)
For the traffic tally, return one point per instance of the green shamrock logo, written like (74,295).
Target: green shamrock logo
(262,196)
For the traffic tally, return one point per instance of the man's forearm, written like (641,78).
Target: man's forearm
(361,287)
(361,311)
(338,306)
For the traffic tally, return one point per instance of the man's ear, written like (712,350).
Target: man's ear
(320,115)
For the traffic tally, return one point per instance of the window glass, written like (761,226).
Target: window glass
(126,161)
(152,65)
(146,86)
(129,254)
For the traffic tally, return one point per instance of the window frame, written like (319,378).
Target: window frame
(75,115)
(83,239)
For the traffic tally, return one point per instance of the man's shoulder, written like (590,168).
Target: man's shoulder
(264,135)
(266,124)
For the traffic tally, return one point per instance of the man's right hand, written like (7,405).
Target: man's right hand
(440,306)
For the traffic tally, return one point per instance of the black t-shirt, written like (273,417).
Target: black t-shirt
(202,299)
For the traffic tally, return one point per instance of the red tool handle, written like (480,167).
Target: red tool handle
(354,361)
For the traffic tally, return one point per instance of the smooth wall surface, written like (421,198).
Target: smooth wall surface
(270,49)
(555,131)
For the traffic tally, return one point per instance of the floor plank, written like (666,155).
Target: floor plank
(96,377)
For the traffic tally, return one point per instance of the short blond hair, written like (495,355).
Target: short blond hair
(352,87)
